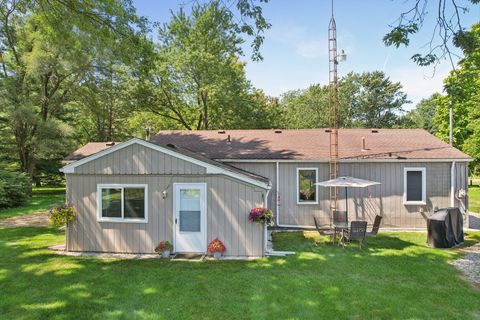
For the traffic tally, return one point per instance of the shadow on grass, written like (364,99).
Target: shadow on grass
(396,276)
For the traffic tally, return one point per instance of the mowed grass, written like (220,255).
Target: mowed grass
(41,200)
(474,198)
(396,277)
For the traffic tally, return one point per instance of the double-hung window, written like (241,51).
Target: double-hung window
(306,188)
(122,203)
(414,185)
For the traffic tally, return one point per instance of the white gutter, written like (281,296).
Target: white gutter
(265,234)
(385,160)
(277,202)
(452,185)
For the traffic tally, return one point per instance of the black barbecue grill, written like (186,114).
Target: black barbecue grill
(445,228)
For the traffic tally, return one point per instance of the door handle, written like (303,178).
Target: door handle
(175,220)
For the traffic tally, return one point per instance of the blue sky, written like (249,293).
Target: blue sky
(295,48)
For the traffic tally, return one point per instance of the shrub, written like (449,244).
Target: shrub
(14,189)
(61,215)
(216,246)
(164,245)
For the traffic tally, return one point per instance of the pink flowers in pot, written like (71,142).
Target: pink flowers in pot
(260,215)
(216,246)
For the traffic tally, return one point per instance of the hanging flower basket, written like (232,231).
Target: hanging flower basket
(261,215)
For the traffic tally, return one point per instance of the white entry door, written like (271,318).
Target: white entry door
(190,210)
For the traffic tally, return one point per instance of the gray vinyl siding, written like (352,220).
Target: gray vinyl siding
(137,159)
(364,203)
(264,169)
(228,203)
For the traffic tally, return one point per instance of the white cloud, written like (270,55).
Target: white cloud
(311,49)
(297,38)
(420,83)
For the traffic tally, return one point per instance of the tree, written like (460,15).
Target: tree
(422,115)
(377,101)
(197,79)
(306,108)
(367,100)
(46,48)
(463,96)
(446,30)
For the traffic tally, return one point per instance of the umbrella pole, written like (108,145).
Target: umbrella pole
(346,200)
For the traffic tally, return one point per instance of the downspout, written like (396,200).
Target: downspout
(265,233)
(452,185)
(277,202)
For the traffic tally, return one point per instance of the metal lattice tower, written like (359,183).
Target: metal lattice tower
(333,109)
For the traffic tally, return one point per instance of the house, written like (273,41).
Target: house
(190,187)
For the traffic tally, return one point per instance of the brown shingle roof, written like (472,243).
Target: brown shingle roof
(89,149)
(312,144)
(303,144)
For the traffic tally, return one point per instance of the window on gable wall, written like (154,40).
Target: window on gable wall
(122,202)
(414,186)
(306,188)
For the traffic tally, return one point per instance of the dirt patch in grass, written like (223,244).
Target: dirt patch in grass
(41,219)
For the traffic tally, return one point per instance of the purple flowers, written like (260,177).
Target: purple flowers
(260,215)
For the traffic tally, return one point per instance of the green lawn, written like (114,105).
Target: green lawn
(42,199)
(474,198)
(396,277)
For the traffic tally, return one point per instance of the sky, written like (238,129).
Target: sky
(295,49)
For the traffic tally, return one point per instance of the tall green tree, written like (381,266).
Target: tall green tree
(422,115)
(197,80)
(46,48)
(369,100)
(377,102)
(463,96)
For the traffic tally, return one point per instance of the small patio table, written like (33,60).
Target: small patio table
(340,228)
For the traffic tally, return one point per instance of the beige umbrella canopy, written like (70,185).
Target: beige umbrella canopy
(347,182)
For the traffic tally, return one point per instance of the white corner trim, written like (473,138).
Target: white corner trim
(316,186)
(452,184)
(101,186)
(210,169)
(424,186)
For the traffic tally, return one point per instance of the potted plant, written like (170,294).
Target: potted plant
(217,248)
(260,215)
(164,247)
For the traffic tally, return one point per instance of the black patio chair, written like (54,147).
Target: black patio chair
(356,232)
(324,232)
(376,226)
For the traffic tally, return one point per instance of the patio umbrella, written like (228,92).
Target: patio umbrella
(347,182)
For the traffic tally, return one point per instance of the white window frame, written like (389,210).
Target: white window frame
(424,186)
(298,186)
(121,186)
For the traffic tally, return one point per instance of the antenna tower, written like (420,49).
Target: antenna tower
(333,109)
